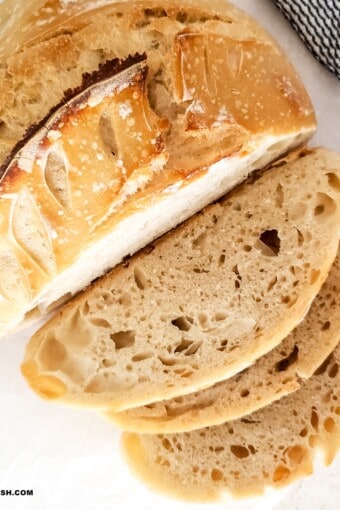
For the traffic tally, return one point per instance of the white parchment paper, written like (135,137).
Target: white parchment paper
(71,458)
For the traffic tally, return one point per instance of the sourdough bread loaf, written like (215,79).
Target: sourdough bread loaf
(271,447)
(278,373)
(142,138)
(203,302)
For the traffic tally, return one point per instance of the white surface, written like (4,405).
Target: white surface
(70,457)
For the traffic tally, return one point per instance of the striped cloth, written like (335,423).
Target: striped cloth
(318,24)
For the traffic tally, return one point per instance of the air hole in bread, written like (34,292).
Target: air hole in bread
(251,449)
(224,344)
(314,276)
(107,363)
(293,299)
(279,195)
(249,421)
(140,279)
(165,462)
(203,320)
(105,381)
(168,362)
(219,316)
(289,360)
(53,354)
(123,339)
(325,206)
(156,12)
(216,475)
(334,181)
(300,237)
(106,297)
(285,300)
(244,393)
(188,347)
(333,371)
(125,299)
(99,321)
(329,425)
(181,17)
(198,270)
(272,284)
(221,259)
(183,372)
(237,273)
(295,454)
(241,452)
(167,445)
(85,308)
(199,242)
(183,323)
(325,326)
(281,473)
(3,127)
(319,209)
(327,398)
(269,243)
(303,432)
(142,356)
(237,207)
(314,419)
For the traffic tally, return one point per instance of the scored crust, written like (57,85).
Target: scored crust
(134,150)
(278,373)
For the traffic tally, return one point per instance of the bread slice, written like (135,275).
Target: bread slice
(278,373)
(271,447)
(141,140)
(203,302)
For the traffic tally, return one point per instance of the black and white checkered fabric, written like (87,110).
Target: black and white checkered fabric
(318,24)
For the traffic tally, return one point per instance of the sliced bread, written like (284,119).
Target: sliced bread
(202,303)
(271,447)
(123,132)
(278,373)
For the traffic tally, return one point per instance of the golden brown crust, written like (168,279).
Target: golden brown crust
(41,192)
(181,133)
(106,70)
